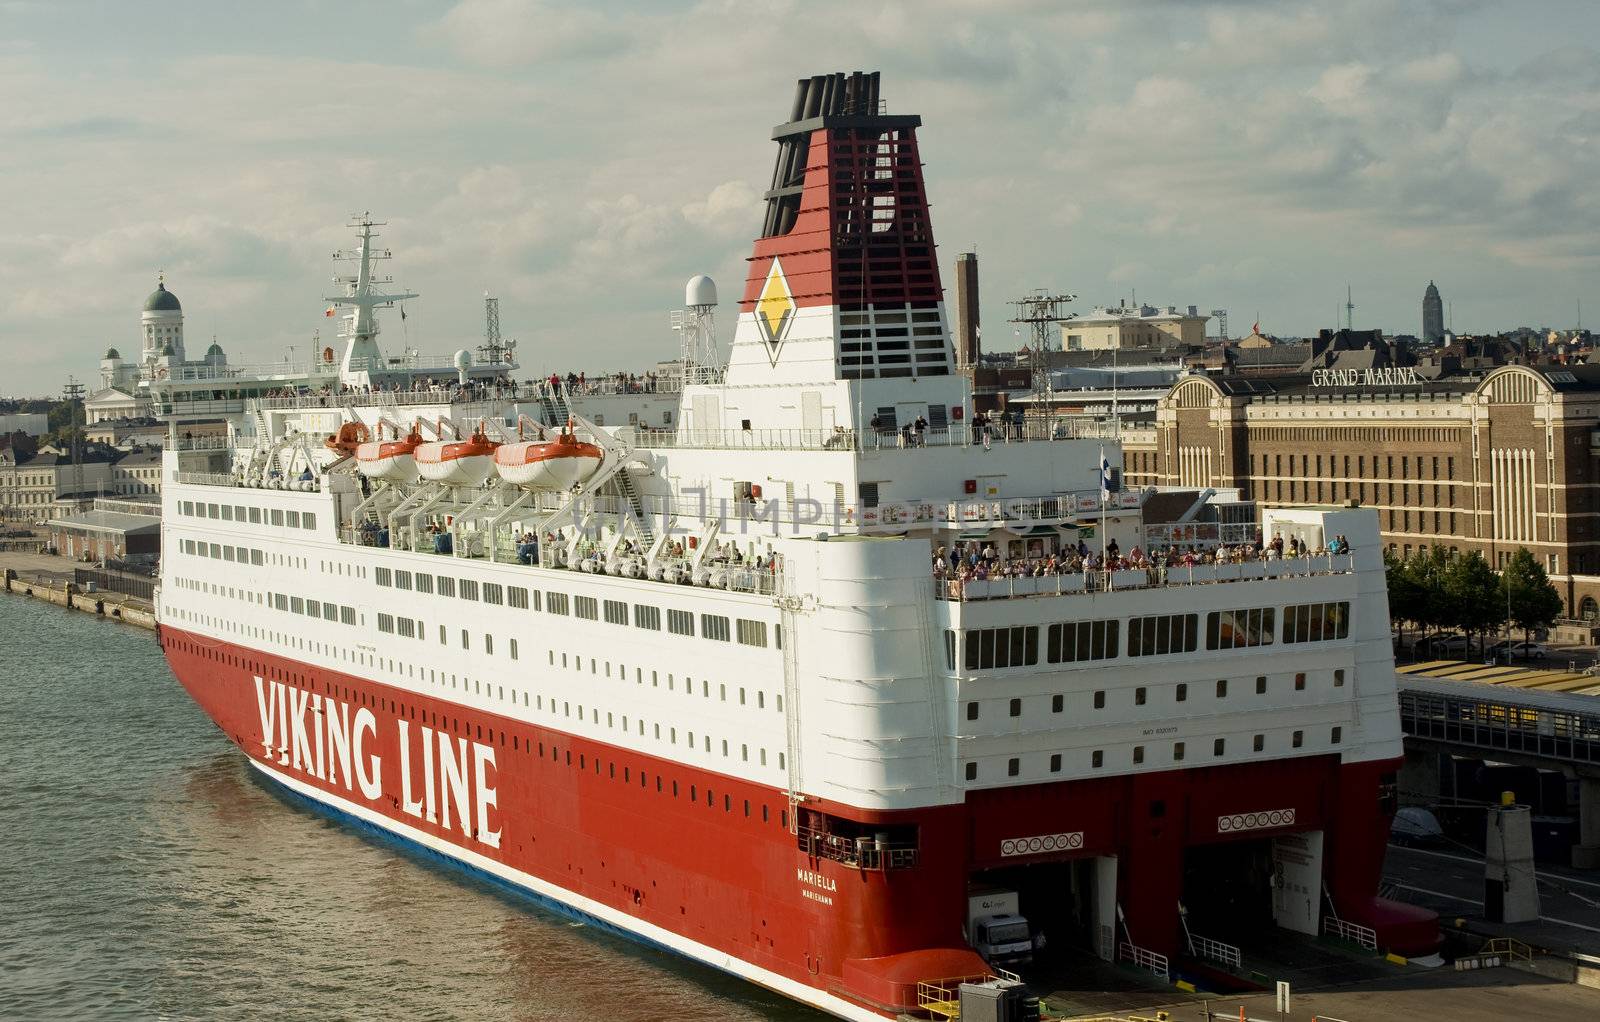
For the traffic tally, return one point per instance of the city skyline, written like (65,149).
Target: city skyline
(581,164)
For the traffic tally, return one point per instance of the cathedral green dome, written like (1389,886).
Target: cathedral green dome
(162,300)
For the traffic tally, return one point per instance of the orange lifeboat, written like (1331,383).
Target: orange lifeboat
(457,462)
(390,460)
(351,435)
(557,464)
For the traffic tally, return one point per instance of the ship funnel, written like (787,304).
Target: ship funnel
(846,253)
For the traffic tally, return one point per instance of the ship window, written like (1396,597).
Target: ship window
(680,622)
(385,622)
(517,597)
(1182,692)
(227,512)
(445,585)
(1316,622)
(1300,682)
(1162,633)
(347,615)
(1261,684)
(466,639)
(402,580)
(989,648)
(294,519)
(1336,736)
(330,611)
(1219,746)
(1138,754)
(1016,707)
(1081,640)
(949,648)
(1237,629)
(1139,696)
(308,520)
(752,633)
(1100,700)
(556,603)
(587,607)
(1259,743)
(1222,688)
(972,711)
(1097,759)
(277,516)
(255,515)
(468,589)
(1055,763)
(972,771)
(1298,739)
(1338,678)
(406,627)
(488,643)
(1057,703)
(1177,750)
(382,576)
(714,626)
(1013,767)
(616,612)
(494,593)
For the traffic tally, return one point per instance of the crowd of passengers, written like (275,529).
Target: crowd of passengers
(483,389)
(976,562)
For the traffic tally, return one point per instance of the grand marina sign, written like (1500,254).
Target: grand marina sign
(1390,376)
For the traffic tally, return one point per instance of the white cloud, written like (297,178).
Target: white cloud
(583,160)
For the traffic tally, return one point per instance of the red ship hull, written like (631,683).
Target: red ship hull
(706,864)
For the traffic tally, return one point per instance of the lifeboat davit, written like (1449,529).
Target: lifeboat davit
(464,462)
(390,460)
(558,464)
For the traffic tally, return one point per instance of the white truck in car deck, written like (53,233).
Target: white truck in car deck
(996,928)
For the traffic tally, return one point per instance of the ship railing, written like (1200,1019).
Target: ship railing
(719,573)
(972,590)
(442,395)
(205,479)
(1217,951)
(1144,958)
(1353,933)
(965,434)
(862,852)
(942,997)
(835,439)
(294,484)
(202,443)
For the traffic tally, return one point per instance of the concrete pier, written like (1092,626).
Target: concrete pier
(63,593)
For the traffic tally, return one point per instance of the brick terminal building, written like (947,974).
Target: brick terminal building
(1488,462)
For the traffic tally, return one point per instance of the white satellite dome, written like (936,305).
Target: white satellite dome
(462,359)
(701,290)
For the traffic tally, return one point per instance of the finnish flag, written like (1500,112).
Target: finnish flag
(1105,475)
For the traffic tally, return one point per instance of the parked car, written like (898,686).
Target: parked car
(1529,650)
(1414,825)
(1435,643)
(1450,644)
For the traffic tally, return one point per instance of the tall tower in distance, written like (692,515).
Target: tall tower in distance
(1432,316)
(967,335)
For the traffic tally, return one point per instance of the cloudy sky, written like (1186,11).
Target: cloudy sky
(582,160)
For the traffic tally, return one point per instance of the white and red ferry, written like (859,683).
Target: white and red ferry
(694,680)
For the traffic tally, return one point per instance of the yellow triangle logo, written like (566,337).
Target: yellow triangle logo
(776,307)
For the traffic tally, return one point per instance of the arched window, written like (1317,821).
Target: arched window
(1588,610)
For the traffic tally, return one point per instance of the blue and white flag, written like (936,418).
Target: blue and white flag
(1105,476)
